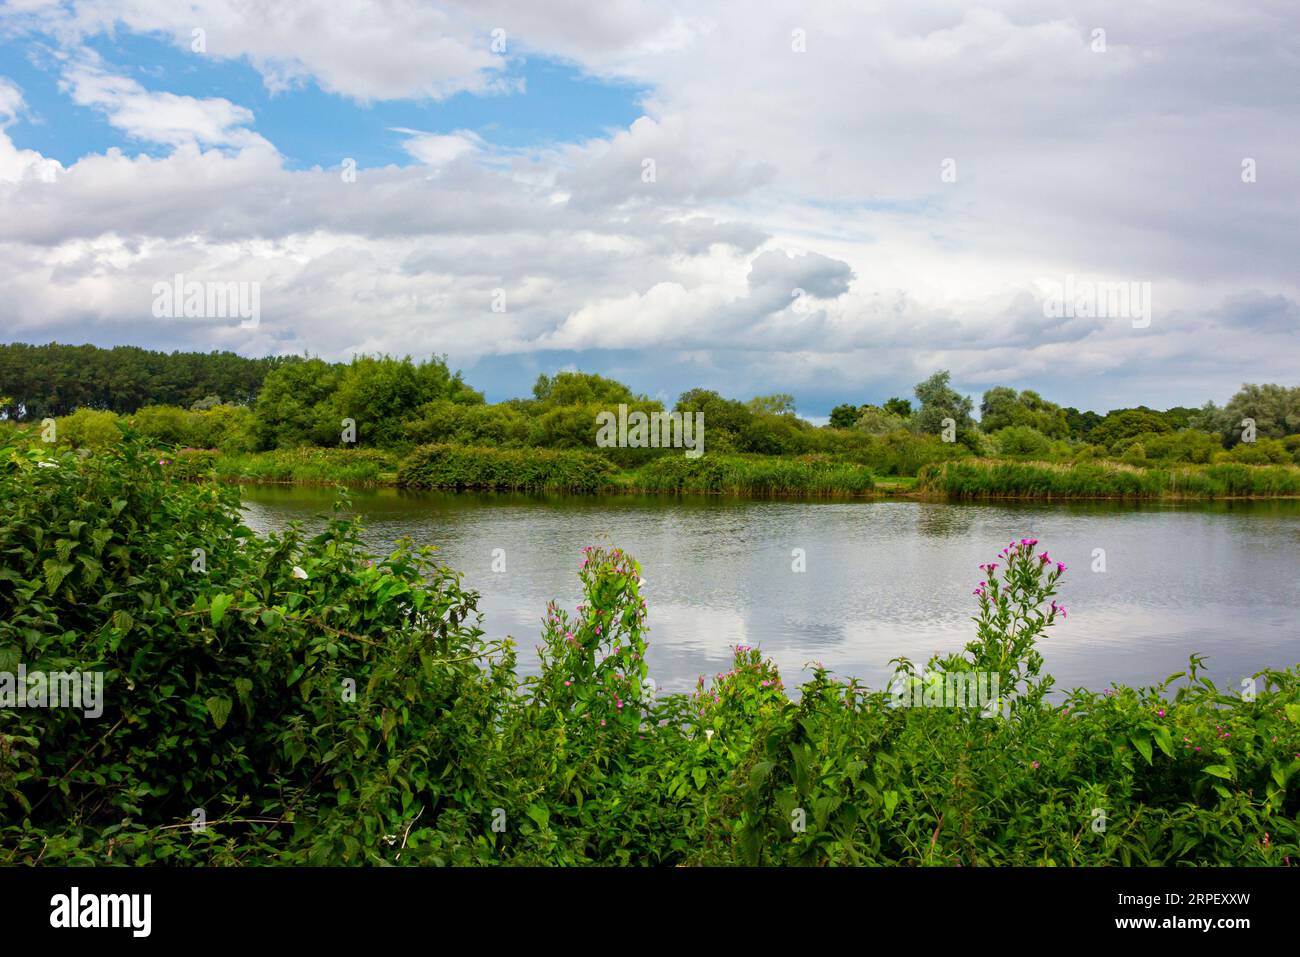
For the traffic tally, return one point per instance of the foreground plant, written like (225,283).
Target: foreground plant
(320,705)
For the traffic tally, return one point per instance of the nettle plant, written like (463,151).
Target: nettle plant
(593,667)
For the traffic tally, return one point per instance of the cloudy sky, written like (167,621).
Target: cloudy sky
(830,199)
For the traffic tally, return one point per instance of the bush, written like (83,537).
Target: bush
(737,475)
(458,467)
(166,424)
(1094,479)
(89,429)
(1021,441)
(225,687)
(326,707)
(311,465)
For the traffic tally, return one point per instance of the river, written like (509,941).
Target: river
(882,579)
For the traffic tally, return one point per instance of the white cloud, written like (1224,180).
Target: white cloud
(439,149)
(11,101)
(772,170)
(164,118)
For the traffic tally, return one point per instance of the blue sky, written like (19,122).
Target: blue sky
(673,194)
(558,103)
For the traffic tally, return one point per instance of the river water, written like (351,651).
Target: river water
(882,579)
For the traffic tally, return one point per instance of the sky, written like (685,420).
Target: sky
(825,199)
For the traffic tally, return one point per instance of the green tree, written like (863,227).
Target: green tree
(1275,410)
(877,421)
(1002,407)
(844,416)
(779,403)
(1125,424)
(295,406)
(938,401)
(580,388)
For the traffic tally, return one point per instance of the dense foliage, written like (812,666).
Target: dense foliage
(754,475)
(318,704)
(54,379)
(1036,480)
(466,467)
(296,419)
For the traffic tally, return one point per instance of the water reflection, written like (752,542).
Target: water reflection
(882,579)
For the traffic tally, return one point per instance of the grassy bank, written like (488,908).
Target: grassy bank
(988,479)
(305,466)
(467,467)
(752,475)
(315,700)
(458,467)
(449,466)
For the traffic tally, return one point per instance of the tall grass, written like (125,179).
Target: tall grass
(306,465)
(468,467)
(745,475)
(984,478)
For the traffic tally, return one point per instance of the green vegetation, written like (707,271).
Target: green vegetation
(306,465)
(304,420)
(54,379)
(1040,480)
(753,475)
(325,706)
(467,467)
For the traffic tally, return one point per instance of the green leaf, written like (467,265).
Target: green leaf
(891,802)
(55,572)
(219,708)
(700,776)
(1143,744)
(759,772)
(1293,712)
(219,605)
(539,814)
(242,687)
(1164,740)
(1219,771)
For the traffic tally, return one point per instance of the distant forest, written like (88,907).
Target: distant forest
(54,379)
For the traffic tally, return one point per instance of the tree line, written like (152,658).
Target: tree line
(56,379)
(221,400)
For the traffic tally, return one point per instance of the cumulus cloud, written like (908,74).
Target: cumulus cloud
(919,170)
(158,117)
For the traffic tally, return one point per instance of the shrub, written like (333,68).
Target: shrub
(738,475)
(89,429)
(1021,441)
(459,467)
(1095,479)
(321,466)
(326,707)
